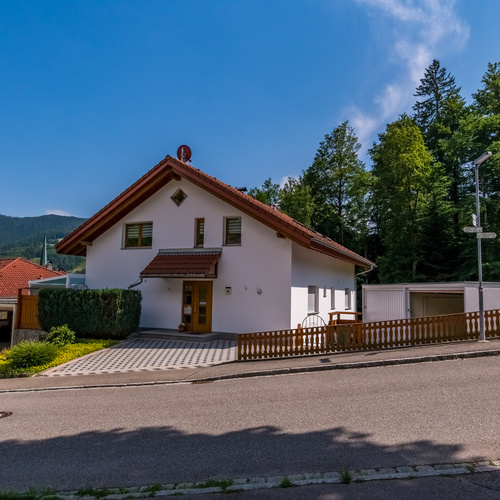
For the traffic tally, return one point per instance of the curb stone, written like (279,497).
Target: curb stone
(275,371)
(240,484)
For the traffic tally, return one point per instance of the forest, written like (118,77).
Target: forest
(407,210)
(24,237)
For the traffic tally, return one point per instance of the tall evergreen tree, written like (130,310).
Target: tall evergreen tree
(331,179)
(438,114)
(408,199)
(296,200)
(268,193)
(436,87)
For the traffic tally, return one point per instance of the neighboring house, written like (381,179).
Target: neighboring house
(206,254)
(417,300)
(16,273)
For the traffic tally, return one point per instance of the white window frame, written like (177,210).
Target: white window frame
(312,299)
(348,299)
(226,222)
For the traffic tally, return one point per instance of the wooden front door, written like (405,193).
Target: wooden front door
(197,306)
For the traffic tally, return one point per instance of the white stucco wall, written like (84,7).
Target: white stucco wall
(311,268)
(263,262)
(491,296)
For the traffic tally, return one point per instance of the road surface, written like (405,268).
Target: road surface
(431,413)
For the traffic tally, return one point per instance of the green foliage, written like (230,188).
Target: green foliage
(223,484)
(268,194)
(30,494)
(408,212)
(65,354)
(409,192)
(296,200)
(286,483)
(345,476)
(93,492)
(331,178)
(108,313)
(24,236)
(61,335)
(29,354)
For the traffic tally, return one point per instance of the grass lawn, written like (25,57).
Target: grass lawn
(66,353)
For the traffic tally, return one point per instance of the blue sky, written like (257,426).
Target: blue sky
(94,93)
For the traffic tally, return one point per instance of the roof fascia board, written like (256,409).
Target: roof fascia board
(121,206)
(323,247)
(253,211)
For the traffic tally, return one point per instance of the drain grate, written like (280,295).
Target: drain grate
(4,414)
(202,381)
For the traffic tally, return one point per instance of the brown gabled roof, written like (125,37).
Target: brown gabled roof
(17,272)
(172,169)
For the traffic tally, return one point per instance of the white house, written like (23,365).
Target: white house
(206,254)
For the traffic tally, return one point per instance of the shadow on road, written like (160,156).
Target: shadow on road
(122,457)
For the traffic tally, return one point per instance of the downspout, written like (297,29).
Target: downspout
(372,267)
(363,305)
(137,283)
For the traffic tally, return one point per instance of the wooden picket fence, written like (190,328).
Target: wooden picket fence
(366,336)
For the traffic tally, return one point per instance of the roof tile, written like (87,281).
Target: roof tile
(15,273)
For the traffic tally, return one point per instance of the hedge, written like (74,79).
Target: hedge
(108,313)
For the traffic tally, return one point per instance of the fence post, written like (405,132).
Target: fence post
(19,307)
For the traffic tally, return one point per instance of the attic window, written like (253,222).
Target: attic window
(179,196)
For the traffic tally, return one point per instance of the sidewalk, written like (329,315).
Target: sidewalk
(238,369)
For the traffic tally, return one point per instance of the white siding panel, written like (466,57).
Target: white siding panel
(383,305)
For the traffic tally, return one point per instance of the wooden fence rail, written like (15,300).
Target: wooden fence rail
(366,336)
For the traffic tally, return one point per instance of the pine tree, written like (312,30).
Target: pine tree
(409,205)
(331,180)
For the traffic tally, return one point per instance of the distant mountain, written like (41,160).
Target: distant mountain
(24,236)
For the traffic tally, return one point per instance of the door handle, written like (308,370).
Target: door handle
(194,307)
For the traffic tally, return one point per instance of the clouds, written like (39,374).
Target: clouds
(421,30)
(57,212)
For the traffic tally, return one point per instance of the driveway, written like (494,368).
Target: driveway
(140,355)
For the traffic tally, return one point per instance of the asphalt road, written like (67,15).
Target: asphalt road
(430,413)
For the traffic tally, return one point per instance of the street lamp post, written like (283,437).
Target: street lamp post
(476,163)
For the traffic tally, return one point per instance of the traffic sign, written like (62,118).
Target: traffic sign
(472,229)
(487,235)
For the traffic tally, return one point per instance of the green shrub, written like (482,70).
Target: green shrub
(108,313)
(61,335)
(27,354)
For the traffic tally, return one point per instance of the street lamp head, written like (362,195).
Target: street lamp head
(482,158)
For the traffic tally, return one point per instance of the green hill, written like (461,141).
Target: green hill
(24,236)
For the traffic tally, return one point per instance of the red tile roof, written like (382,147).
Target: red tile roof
(172,169)
(16,273)
(183,263)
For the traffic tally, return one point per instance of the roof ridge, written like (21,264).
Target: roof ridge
(172,168)
(269,209)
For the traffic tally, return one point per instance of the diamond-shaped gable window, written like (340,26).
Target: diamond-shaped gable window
(179,196)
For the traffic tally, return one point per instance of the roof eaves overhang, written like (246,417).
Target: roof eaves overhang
(210,265)
(76,242)
(340,253)
(253,210)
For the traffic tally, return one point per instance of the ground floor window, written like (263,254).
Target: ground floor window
(312,299)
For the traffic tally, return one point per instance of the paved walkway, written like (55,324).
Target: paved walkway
(149,355)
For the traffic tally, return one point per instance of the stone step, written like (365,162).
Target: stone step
(163,334)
